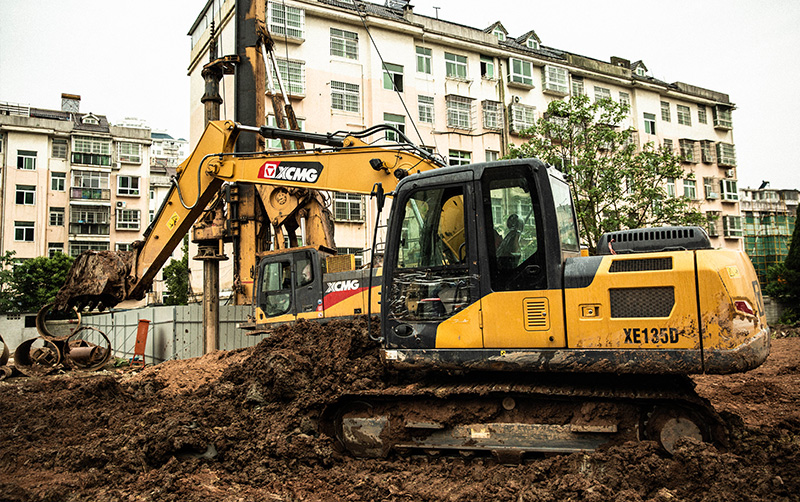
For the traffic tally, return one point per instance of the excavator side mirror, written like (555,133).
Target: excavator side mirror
(379,194)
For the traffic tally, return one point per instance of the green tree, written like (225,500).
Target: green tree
(783,280)
(27,285)
(176,278)
(614,184)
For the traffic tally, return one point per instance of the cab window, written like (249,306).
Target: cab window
(513,231)
(276,288)
(431,280)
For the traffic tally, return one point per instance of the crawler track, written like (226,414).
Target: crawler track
(522,414)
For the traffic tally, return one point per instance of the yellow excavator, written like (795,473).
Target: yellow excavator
(536,348)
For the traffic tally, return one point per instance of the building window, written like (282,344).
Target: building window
(732,226)
(293,76)
(396,121)
(684,115)
(702,117)
(286,21)
(492,156)
(152,215)
(492,115)
(91,151)
(521,117)
(707,151)
(26,194)
(690,189)
(344,44)
(532,43)
(459,158)
(59,148)
(577,86)
(23,231)
(130,153)
(348,207)
(56,216)
(128,186)
(76,248)
(89,220)
(601,93)
(520,72)
(726,154)
(722,117)
(668,146)
(670,187)
(345,96)
(459,112)
(53,248)
(58,182)
(555,80)
(712,218)
(393,77)
(455,65)
(26,159)
(687,150)
(625,101)
(275,144)
(665,115)
(128,219)
(487,67)
(424,60)
(710,188)
(649,123)
(498,32)
(425,109)
(124,246)
(729,190)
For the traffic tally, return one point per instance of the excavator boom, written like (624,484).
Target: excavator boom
(344,164)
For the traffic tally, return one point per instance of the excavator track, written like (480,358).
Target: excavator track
(522,415)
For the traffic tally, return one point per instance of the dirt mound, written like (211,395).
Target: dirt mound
(243,425)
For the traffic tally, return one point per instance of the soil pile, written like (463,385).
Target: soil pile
(242,425)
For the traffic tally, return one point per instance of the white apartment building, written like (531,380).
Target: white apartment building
(466,93)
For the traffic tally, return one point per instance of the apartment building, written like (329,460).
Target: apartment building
(465,93)
(770,215)
(70,181)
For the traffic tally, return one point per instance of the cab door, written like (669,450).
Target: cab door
(522,305)
(289,287)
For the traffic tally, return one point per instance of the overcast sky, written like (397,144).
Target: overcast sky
(129,59)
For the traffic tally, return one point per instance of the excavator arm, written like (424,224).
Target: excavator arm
(345,164)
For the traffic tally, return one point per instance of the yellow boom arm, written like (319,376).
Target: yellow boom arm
(105,278)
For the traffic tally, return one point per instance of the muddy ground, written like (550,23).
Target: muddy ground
(241,426)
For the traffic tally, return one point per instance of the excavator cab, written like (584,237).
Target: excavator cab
(289,285)
(469,235)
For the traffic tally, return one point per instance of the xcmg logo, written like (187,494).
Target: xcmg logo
(351,285)
(307,172)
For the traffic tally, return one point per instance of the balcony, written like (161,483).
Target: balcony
(78,193)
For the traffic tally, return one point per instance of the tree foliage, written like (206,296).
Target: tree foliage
(176,278)
(615,184)
(28,285)
(783,280)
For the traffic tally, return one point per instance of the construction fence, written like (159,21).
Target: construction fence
(175,332)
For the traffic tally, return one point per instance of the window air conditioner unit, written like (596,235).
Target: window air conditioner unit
(121,204)
(729,173)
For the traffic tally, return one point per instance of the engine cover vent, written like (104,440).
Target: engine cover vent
(642,302)
(641,264)
(537,315)
(643,240)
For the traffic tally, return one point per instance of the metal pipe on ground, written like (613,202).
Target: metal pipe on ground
(37,361)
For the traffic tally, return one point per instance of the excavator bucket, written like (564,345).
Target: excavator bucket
(96,279)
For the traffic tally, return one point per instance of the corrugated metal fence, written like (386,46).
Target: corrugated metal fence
(176,332)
